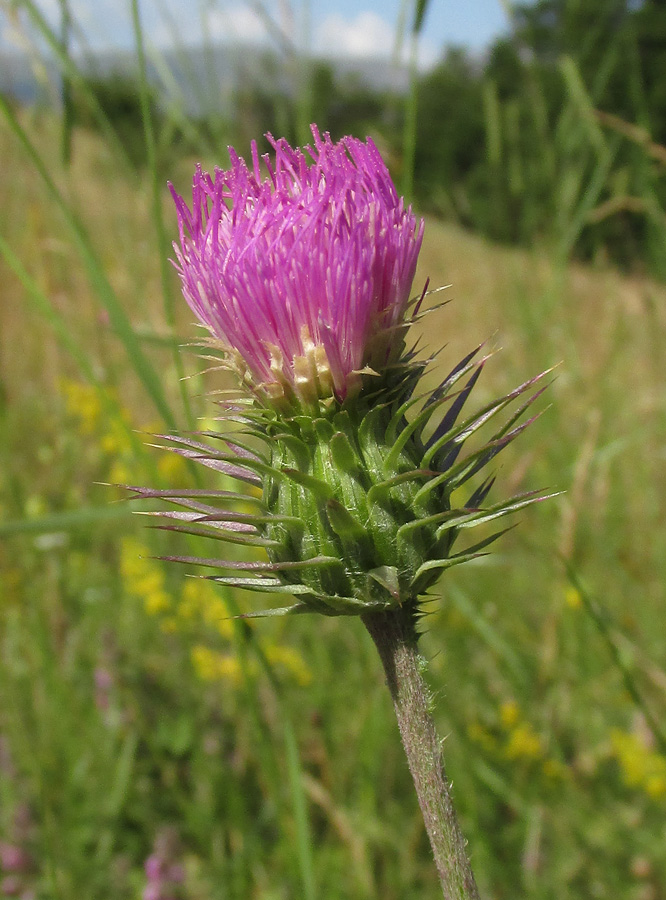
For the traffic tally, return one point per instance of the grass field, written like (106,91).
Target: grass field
(136,718)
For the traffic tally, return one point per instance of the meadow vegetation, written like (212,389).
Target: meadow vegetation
(138,718)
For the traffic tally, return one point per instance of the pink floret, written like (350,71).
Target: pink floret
(321,240)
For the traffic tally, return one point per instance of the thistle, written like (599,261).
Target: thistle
(364,486)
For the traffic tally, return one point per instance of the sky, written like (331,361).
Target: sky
(347,28)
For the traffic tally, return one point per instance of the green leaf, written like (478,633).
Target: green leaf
(298,450)
(387,577)
(411,428)
(494,512)
(317,487)
(460,433)
(84,517)
(315,562)
(419,15)
(157,185)
(442,564)
(263,585)
(343,523)
(276,612)
(379,493)
(221,534)
(343,454)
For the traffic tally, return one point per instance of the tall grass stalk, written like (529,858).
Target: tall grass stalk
(601,623)
(411,99)
(66,86)
(163,244)
(75,80)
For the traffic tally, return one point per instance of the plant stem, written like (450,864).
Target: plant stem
(395,637)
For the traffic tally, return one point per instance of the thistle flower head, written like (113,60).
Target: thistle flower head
(303,274)
(360,496)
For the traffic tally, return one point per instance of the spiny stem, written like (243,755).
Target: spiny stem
(395,637)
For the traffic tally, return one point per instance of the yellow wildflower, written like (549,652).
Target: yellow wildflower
(83,404)
(523,743)
(655,786)
(509,713)
(173,469)
(119,473)
(156,602)
(187,608)
(290,660)
(554,769)
(116,441)
(110,445)
(148,580)
(143,577)
(572,598)
(213,666)
(203,598)
(641,766)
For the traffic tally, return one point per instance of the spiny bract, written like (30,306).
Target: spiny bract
(357,508)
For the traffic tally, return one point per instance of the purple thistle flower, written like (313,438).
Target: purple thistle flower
(164,878)
(13,858)
(10,886)
(153,867)
(303,275)
(16,866)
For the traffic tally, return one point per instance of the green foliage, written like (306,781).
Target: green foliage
(506,147)
(450,134)
(119,100)
(132,701)
(348,106)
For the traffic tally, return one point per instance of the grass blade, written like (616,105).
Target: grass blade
(163,245)
(602,626)
(83,517)
(119,320)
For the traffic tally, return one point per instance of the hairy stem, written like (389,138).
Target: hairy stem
(395,637)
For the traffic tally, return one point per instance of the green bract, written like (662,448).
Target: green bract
(363,504)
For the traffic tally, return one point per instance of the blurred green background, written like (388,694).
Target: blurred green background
(138,721)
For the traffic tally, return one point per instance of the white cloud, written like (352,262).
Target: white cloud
(366,36)
(234,24)
(237,24)
(105,24)
(19,30)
